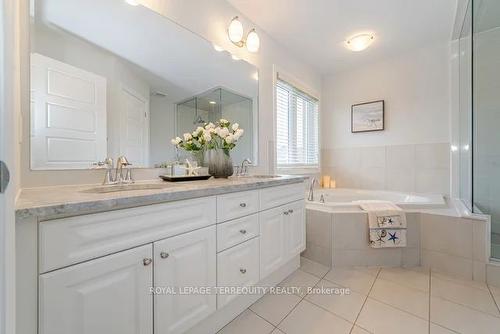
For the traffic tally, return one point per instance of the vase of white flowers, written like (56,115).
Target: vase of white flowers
(214,142)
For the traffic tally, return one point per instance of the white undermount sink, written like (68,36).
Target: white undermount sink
(126,187)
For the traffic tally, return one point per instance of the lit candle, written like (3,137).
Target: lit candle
(326,181)
(333,184)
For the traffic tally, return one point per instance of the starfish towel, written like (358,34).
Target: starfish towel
(387,224)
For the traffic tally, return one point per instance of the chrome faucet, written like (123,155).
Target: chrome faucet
(242,170)
(118,177)
(120,163)
(310,197)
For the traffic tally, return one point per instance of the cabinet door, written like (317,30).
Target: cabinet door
(295,227)
(187,260)
(109,295)
(272,240)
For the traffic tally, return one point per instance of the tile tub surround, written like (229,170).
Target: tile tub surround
(423,168)
(447,244)
(60,201)
(416,300)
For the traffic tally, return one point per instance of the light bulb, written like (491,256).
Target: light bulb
(218,48)
(235,30)
(132,2)
(235,57)
(253,41)
(359,42)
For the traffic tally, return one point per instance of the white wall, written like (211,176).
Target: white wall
(412,153)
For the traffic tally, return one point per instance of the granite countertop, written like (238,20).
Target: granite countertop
(63,201)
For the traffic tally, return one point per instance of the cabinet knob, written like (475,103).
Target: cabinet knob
(164,255)
(286,213)
(243,270)
(243,231)
(147,261)
(243,205)
(290,211)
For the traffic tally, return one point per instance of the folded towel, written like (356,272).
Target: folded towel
(387,224)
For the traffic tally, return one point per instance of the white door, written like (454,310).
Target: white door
(272,240)
(109,295)
(68,115)
(295,227)
(134,127)
(187,260)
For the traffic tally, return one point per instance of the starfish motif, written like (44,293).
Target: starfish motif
(393,237)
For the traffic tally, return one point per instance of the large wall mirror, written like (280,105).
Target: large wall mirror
(111,79)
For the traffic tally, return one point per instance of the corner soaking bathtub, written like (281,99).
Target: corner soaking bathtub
(343,199)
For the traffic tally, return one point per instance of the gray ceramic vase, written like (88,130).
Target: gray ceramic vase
(220,164)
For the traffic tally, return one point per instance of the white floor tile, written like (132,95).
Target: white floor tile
(311,319)
(381,318)
(462,319)
(436,329)
(458,280)
(467,295)
(407,299)
(496,294)
(277,331)
(274,308)
(301,280)
(314,268)
(371,270)
(345,305)
(411,277)
(247,323)
(356,280)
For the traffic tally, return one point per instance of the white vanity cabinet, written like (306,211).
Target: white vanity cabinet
(106,295)
(147,269)
(184,261)
(282,235)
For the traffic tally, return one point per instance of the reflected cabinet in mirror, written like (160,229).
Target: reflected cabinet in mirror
(109,79)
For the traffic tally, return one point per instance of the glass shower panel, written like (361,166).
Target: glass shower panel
(486,114)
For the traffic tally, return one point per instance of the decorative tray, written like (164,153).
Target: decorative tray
(180,178)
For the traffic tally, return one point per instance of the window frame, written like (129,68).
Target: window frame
(297,84)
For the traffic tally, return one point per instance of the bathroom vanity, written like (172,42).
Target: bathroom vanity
(95,262)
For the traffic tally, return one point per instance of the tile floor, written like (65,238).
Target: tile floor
(382,300)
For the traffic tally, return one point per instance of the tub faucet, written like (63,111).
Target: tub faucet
(310,197)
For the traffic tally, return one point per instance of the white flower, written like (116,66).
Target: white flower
(222,132)
(176,141)
(230,139)
(238,133)
(210,126)
(235,126)
(187,136)
(223,121)
(206,136)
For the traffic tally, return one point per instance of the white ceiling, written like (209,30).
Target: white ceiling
(314,30)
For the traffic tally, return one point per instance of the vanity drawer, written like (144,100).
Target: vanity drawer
(67,241)
(236,231)
(235,205)
(238,267)
(276,196)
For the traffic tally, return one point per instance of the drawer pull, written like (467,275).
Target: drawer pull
(286,213)
(243,231)
(164,255)
(147,261)
(243,205)
(243,270)
(290,211)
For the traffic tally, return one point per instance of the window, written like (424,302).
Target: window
(296,127)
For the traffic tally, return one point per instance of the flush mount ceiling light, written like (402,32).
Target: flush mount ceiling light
(132,2)
(235,33)
(359,42)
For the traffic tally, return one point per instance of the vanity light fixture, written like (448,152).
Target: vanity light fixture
(132,2)
(235,33)
(359,42)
